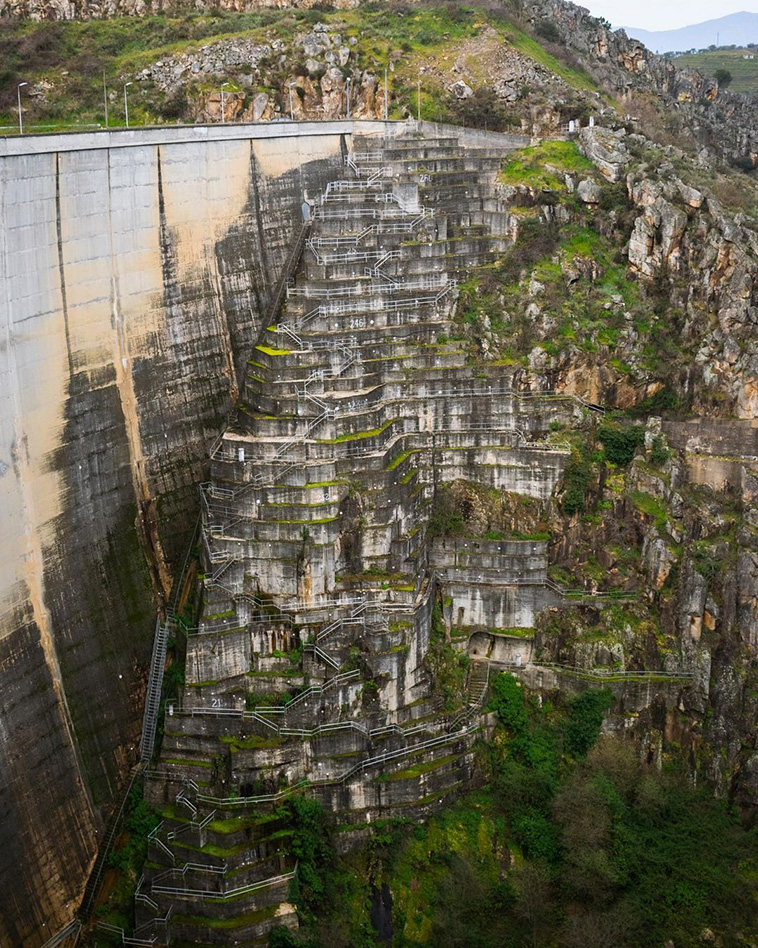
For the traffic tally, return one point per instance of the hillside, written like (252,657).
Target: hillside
(732,30)
(533,67)
(744,71)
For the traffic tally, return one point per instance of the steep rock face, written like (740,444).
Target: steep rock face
(719,120)
(83,9)
(133,280)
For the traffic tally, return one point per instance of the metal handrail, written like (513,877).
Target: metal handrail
(229,893)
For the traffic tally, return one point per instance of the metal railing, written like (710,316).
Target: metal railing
(359,212)
(363,288)
(287,272)
(360,767)
(154,686)
(93,883)
(614,674)
(474,702)
(68,931)
(223,896)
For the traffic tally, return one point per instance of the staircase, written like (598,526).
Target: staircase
(356,403)
(154,687)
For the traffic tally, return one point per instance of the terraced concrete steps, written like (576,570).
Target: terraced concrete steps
(318,571)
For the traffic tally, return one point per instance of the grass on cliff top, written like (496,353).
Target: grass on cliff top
(536,166)
(744,71)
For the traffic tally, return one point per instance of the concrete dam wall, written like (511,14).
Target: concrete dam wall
(135,269)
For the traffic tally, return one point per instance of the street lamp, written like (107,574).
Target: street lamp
(386,95)
(292,110)
(347,92)
(223,108)
(20,118)
(126,104)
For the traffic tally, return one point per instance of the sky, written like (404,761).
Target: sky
(670,15)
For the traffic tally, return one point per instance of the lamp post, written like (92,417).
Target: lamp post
(223,111)
(292,110)
(347,93)
(418,100)
(386,94)
(20,117)
(126,104)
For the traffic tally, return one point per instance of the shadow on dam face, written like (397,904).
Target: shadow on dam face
(134,270)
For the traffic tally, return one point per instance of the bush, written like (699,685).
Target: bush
(547,30)
(481,110)
(311,846)
(280,937)
(508,703)
(584,719)
(576,481)
(620,443)
(659,453)
(723,77)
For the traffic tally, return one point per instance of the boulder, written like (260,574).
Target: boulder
(589,191)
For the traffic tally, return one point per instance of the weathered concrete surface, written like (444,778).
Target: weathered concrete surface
(134,268)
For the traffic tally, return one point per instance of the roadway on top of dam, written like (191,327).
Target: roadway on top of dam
(49,142)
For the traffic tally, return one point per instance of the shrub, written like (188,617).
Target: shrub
(547,30)
(584,720)
(723,77)
(311,845)
(659,453)
(620,443)
(664,400)
(576,482)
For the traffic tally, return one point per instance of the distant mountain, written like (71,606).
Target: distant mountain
(736,29)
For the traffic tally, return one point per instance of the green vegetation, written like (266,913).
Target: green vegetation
(744,72)
(467,509)
(311,845)
(448,666)
(271,351)
(125,862)
(620,442)
(652,506)
(572,843)
(73,59)
(577,477)
(540,165)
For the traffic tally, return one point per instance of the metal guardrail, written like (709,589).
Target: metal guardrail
(154,687)
(288,271)
(93,883)
(363,288)
(472,706)
(220,896)
(361,766)
(612,674)
(71,930)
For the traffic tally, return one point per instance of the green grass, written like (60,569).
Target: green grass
(529,47)
(358,435)
(76,56)
(417,769)
(239,921)
(744,71)
(651,506)
(528,165)
(269,350)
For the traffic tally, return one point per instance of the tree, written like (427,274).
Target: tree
(723,77)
